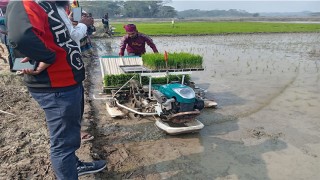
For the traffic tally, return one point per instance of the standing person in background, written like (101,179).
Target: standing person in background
(4,33)
(37,31)
(80,30)
(2,50)
(76,32)
(105,22)
(172,22)
(85,43)
(91,28)
(135,42)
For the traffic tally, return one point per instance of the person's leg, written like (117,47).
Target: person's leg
(10,58)
(90,47)
(84,135)
(105,26)
(82,101)
(63,114)
(85,47)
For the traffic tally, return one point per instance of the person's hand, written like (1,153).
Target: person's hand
(1,50)
(42,66)
(70,16)
(3,32)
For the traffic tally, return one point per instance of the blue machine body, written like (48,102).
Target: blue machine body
(182,93)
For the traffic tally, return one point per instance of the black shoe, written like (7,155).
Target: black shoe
(90,167)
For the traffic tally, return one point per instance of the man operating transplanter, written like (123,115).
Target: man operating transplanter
(135,42)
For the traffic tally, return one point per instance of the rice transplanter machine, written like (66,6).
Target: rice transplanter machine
(176,104)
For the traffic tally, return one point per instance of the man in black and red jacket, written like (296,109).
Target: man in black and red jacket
(38,32)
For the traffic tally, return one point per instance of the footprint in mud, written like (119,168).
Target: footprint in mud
(307,152)
(259,133)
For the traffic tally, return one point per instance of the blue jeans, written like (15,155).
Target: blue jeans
(63,115)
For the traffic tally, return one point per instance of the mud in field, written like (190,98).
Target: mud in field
(265,127)
(23,139)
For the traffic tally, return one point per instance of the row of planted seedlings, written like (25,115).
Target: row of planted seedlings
(180,60)
(157,62)
(121,79)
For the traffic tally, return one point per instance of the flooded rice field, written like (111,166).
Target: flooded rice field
(266,125)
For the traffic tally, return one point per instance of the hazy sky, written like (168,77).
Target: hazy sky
(249,6)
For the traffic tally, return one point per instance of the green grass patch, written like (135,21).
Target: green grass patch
(206,28)
(175,61)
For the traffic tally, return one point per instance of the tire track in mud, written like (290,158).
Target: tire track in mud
(114,141)
(274,96)
(89,86)
(220,118)
(90,150)
(117,155)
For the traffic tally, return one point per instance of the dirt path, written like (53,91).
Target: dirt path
(23,140)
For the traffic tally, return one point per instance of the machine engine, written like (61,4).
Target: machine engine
(177,103)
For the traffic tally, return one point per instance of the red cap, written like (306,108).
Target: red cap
(4,3)
(130,28)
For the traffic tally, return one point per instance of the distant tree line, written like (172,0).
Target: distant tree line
(152,9)
(130,9)
(215,13)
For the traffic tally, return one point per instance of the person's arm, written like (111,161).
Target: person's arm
(76,32)
(79,31)
(150,43)
(26,26)
(123,45)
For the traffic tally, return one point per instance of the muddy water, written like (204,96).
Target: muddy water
(266,125)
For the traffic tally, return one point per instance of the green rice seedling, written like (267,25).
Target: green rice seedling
(153,61)
(212,27)
(121,79)
(175,61)
(116,80)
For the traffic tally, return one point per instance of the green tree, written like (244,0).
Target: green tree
(131,9)
(167,12)
(256,15)
(140,9)
(99,8)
